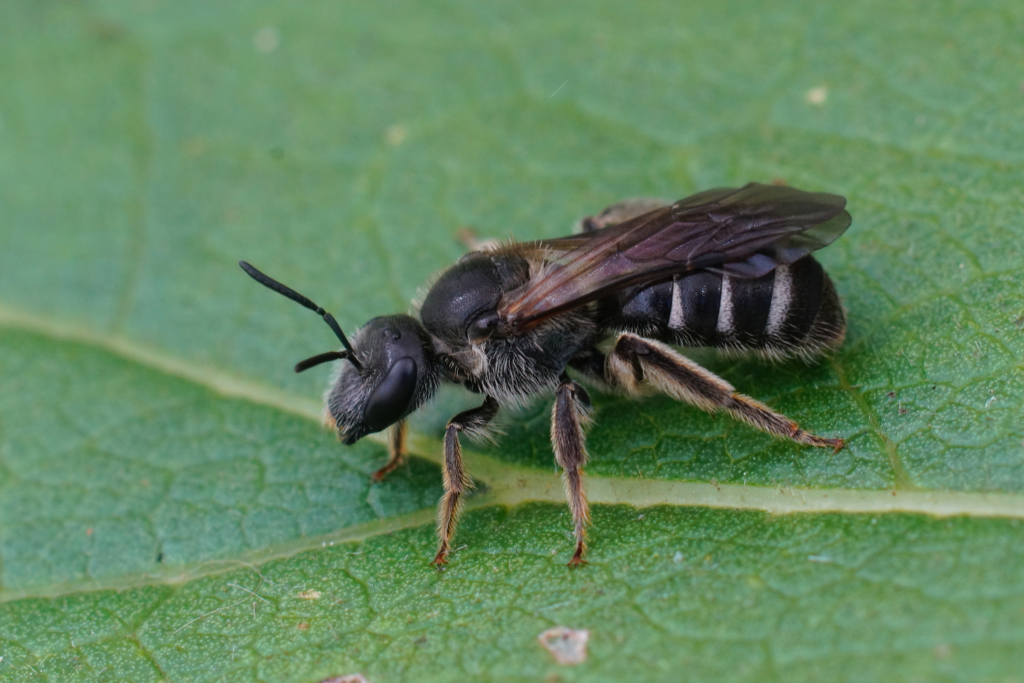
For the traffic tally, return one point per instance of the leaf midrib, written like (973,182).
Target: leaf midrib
(510,484)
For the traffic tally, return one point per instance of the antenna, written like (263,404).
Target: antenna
(320,358)
(273,284)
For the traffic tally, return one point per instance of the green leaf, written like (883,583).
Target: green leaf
(169,508)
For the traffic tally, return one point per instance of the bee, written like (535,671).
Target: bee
(727,268)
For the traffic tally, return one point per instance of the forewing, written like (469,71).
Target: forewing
(744,232)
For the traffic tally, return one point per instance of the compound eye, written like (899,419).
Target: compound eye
(391,398)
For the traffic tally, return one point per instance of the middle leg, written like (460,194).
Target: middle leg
(569,416)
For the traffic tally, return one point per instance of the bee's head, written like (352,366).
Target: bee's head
(396,373)
(387,373)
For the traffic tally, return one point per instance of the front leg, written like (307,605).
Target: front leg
(636,359)
(396,446)
(456,481)
(569,416)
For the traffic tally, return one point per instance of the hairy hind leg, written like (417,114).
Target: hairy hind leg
(636,359)
(619,212)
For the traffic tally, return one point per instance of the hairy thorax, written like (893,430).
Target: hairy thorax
(464,300)
(518,368)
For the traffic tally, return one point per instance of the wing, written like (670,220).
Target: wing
(743,232)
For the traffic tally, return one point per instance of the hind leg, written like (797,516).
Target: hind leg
(637,360)
(619,213)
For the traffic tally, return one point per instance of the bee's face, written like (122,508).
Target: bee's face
(398,373)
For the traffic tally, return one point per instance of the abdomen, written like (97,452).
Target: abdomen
(793,310)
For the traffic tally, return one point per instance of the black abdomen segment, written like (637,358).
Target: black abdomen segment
(793,310)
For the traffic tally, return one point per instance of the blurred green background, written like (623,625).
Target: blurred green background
(169,508)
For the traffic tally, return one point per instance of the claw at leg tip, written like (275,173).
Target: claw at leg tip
(577,559)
